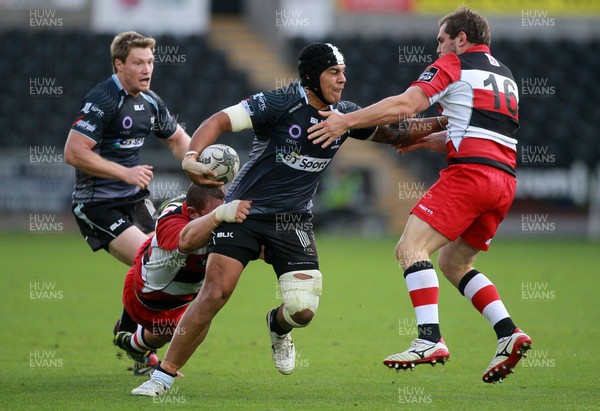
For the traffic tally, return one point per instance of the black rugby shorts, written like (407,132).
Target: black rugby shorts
(103,221)
(289,243)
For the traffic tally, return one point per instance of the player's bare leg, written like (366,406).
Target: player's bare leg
(222,275)
(126,245)
(419,240)
(456,262)
(413,252)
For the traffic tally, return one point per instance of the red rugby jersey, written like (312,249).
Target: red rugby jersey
(480,97)
(164,277)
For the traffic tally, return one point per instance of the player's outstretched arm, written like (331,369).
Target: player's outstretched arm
(196,234)
(410,131)
(431,142)
(386,111)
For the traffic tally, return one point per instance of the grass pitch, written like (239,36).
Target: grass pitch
(60,301)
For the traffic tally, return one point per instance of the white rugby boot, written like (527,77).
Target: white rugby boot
(510,351)
(282,350)
(420,352)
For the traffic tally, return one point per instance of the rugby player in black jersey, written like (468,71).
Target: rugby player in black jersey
(280,179)
(110,199)
(104,145)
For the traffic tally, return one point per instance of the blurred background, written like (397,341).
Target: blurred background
(211,55)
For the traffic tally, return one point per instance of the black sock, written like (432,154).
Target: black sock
(429,332)
(159,368)
(504,327)
(275,327)
(127,323)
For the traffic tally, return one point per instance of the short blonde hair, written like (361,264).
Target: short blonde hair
(124,42)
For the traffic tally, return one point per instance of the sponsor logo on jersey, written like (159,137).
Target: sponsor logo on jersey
(246,104)
(92,108)
(492,60)
(139,107)
(127,122)
(295,131)
(260,98)
(305,163)
(314,120)
(296,107)
(129,142)
(84,125)
(336,144)
(428,75)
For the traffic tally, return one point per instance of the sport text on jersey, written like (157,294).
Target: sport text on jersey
(304,163)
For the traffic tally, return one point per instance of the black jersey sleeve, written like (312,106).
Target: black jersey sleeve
(165,124)
(357,133)
(96,113)
(266,108)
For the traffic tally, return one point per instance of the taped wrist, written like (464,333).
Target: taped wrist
(226,212)
(191,164)
(193,154)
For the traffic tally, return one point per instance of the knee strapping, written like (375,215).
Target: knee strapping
(299,293)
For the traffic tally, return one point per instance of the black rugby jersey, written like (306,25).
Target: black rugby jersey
(118,123)
(285,167)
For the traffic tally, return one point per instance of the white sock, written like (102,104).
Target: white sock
(137,340)
(164,378)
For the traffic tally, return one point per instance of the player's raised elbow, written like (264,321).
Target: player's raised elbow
(75,148)
(70,155)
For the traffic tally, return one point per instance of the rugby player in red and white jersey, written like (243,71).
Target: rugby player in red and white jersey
(169,268)
(461,212)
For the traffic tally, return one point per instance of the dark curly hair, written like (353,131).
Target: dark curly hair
(473,24)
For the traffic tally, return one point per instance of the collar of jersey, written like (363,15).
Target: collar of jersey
(184,209)
(121,88)
(302,92)
(478,48)
(118,83)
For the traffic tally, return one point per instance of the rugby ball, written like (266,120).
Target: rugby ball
(223,160)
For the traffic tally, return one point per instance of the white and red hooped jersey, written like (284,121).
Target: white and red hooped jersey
(165,278)
(480,97)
